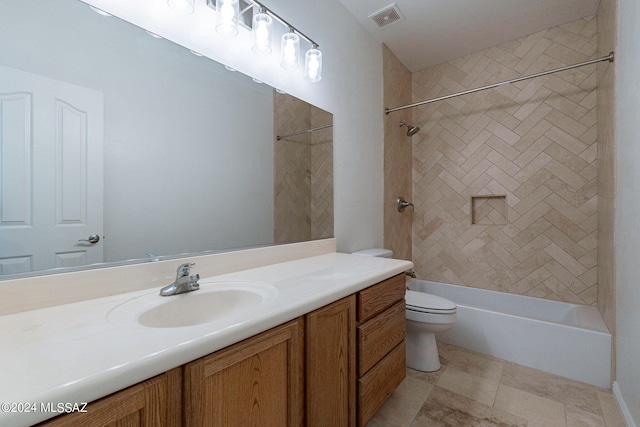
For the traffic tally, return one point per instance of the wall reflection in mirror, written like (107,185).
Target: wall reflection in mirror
(106,131)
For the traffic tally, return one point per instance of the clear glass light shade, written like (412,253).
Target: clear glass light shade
(289,51)
(183,7)
(313,65)
(229,12)
(262,27)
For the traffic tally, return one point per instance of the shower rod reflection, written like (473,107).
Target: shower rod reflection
(491,86)
(279,137)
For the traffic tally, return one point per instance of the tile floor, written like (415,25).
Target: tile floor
(472,389)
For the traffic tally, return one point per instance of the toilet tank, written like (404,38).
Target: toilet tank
(377,252)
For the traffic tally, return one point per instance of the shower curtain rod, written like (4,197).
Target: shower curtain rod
(491,86)
(279,137)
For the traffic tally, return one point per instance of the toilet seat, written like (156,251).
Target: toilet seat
(427,303)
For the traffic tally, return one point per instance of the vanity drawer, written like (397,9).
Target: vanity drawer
(378,298)
(378,336)
(378,384)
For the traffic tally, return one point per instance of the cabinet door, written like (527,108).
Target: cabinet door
(256,382)
(155,402)
(330,365)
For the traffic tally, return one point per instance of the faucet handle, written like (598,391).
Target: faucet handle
(184,269)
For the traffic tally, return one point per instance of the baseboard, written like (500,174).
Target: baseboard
(623,406)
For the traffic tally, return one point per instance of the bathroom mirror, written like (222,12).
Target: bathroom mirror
(119,146)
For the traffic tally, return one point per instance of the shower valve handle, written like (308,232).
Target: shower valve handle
(403,204)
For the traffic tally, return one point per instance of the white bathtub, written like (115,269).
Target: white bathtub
(566,339)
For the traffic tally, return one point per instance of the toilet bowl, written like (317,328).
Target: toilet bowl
(426,315)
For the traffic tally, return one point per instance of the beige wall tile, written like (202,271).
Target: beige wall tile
(303,172)
(607,42)
(398,156)
(534,142)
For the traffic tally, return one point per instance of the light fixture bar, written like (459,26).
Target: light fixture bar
(285,23)
(247,8)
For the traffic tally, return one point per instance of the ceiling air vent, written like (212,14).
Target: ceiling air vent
(387,16)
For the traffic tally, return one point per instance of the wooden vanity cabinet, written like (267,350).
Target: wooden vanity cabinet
(332,367)
(381,345)
(256,382)
(154,402)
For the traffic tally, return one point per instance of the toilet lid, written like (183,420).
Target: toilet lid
(421,301)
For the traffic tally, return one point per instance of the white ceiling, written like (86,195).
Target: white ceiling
(436,31)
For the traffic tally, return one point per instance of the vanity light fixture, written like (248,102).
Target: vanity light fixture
(182,7)
(258,19)
(289,50)
(262,27)
(229,11)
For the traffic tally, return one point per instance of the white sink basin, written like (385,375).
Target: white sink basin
(214,302)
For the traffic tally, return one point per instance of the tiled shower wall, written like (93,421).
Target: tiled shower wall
(303,168)
(531,147)
(321,175)
(607,42)
(397,157)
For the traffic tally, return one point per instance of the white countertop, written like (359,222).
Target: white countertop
(72,353)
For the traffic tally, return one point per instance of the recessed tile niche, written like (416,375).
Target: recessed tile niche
(489,210)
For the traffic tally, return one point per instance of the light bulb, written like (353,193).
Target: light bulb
(262,24)
(313,64)
(183,7)
(228,10)
(289,47)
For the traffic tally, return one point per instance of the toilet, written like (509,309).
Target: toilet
(426,315)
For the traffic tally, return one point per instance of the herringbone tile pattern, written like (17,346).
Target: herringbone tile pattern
(533,141)
(303,168)
(321,176)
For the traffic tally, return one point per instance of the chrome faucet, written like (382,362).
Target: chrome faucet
(185,282)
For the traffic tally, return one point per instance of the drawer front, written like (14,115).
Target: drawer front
(378,384)
(378,298)
(378,336)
